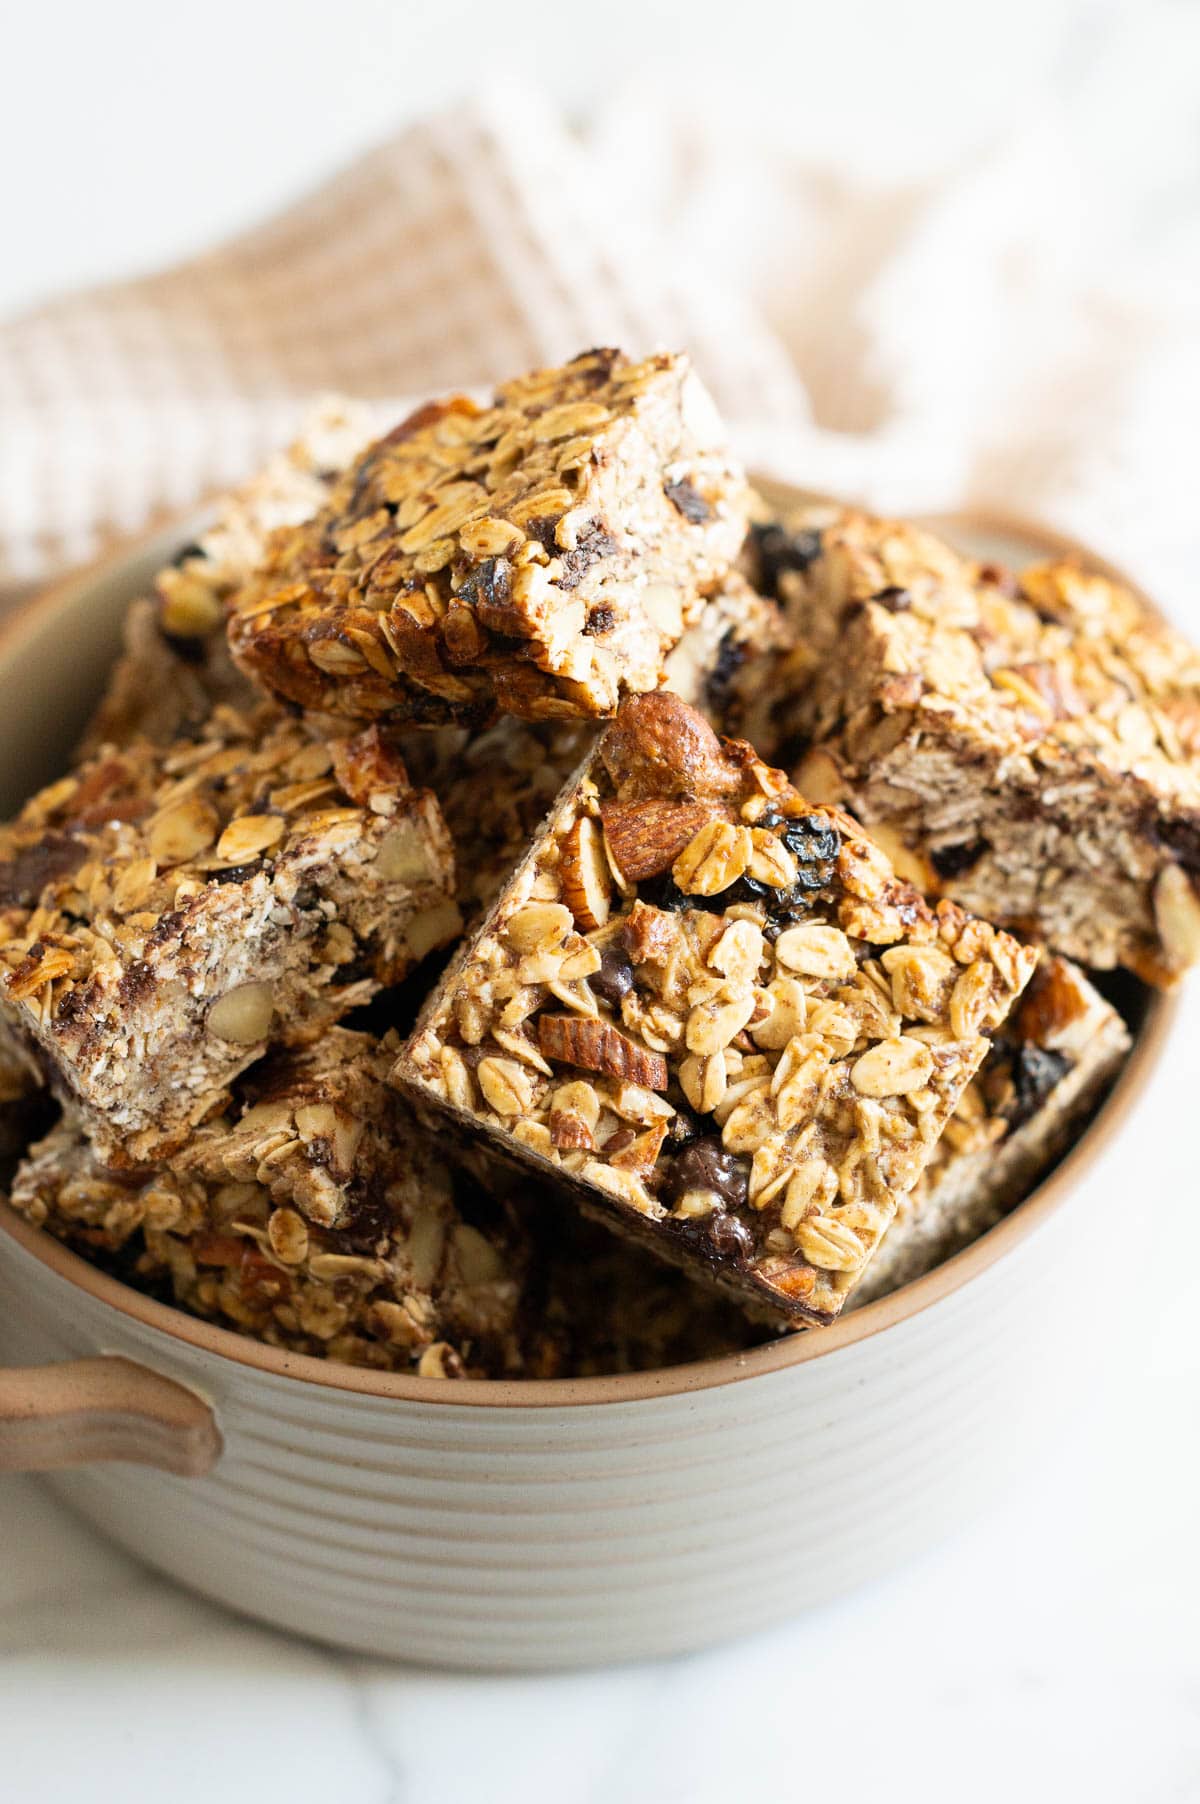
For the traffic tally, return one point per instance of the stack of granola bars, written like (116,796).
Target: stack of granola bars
(719,1047)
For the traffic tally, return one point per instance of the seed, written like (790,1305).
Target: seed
(892,1068)
(816,951)
(918,976)
(813,1182)
(249,837)
(789,1007)
(712,1025)
(738,952)
(242,1015)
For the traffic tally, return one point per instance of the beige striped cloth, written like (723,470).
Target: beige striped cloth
(916,348)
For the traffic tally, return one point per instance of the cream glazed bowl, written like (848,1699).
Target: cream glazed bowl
(540,1523)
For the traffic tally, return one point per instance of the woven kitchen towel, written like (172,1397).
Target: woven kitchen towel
(917,348)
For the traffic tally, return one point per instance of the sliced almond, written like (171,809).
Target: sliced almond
(1177,916)
(583,869)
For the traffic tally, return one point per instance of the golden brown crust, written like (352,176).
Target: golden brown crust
(540,557)
(814,1021)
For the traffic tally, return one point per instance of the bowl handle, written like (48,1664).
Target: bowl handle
(108,1408)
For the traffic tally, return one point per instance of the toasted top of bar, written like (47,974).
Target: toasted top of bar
(540,555)
(714,1003)
(1055,664)
(125,857)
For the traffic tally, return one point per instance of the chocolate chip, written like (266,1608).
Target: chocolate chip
(719,1238)
(779,551)
(614,979)
(689,501)
(952,861)
(706,1165)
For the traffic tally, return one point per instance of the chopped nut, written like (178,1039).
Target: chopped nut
(1177,916)
(243,1015)
(585,879)
(597,1046)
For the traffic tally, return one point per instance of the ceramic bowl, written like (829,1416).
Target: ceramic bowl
(536,1524)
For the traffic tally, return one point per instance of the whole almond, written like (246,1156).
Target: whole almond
(645,838)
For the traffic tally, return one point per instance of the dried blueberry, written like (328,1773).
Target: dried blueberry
(1035,1072)
(779,551)
(811,840)
(719,683)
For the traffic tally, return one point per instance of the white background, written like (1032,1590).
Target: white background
(1051,1651)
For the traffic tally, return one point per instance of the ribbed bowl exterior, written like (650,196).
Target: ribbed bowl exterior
(544,1537)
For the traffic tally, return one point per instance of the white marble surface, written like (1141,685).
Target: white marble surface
(1049,1652)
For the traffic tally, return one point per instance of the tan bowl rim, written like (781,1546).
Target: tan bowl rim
(634,1387)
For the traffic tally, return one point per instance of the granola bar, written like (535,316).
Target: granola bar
(538,557)
(164,914)
(496,786)
(176,666)
(310,1216)
(1030,742)
(1049,1065)
(713,1012)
